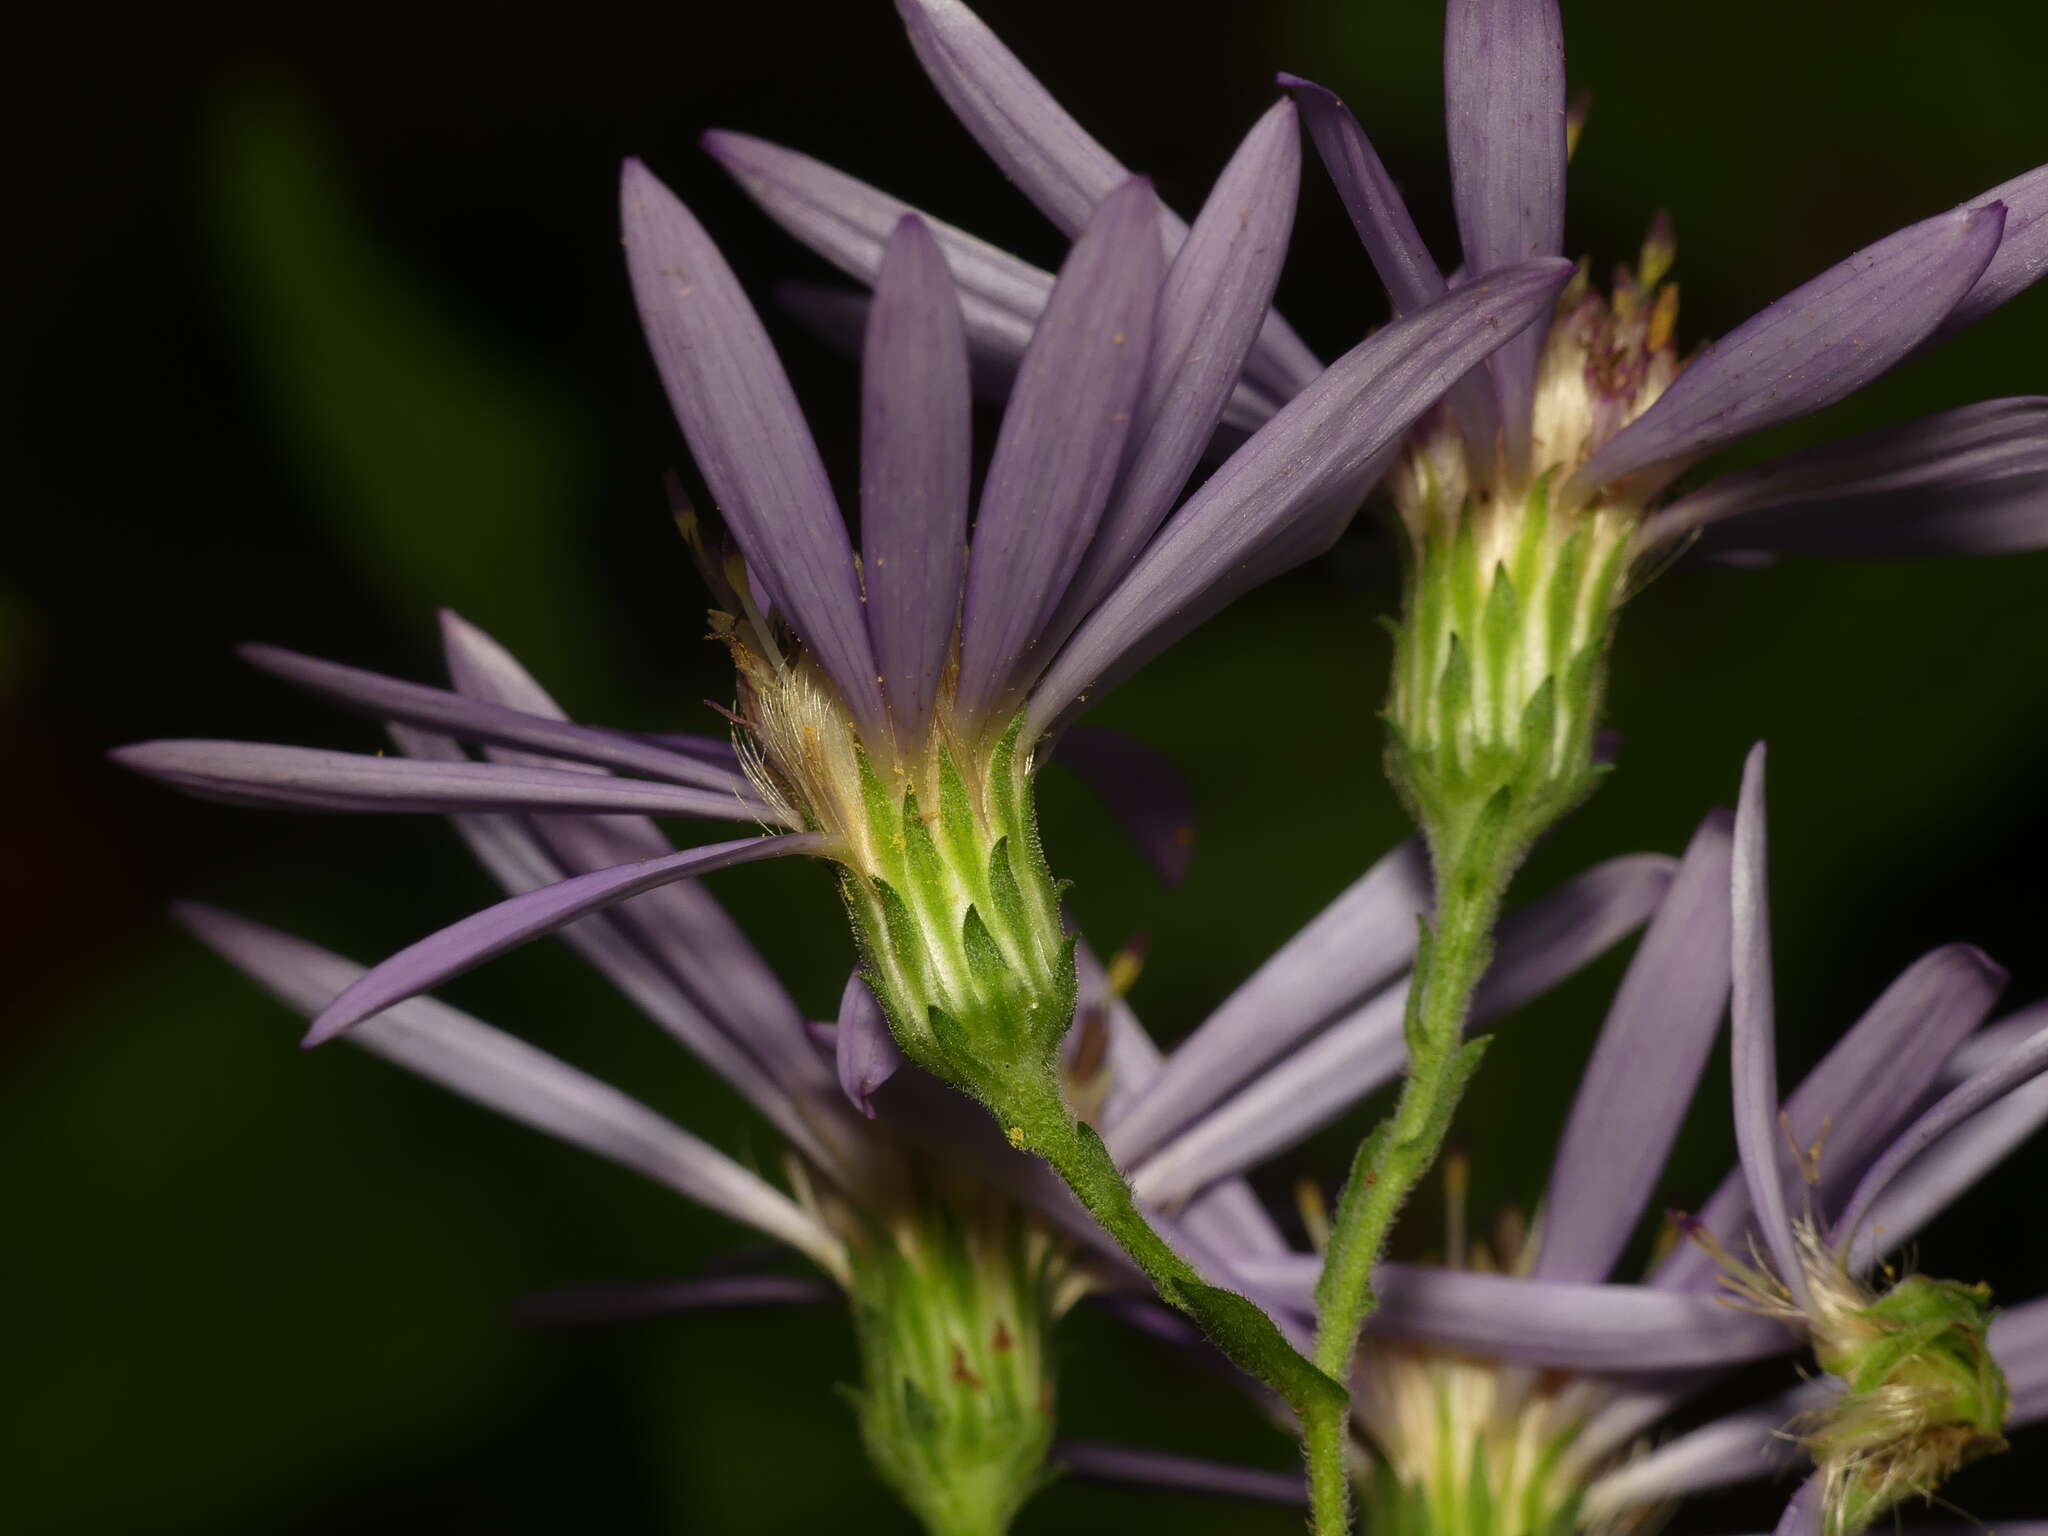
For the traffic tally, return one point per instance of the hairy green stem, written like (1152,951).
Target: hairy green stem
(1035,1116)
(1451,958)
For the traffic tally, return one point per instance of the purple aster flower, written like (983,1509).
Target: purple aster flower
(869,1143)
(1534,1347)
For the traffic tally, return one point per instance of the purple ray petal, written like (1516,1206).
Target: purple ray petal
(314,779)
(2022,255)
(1411,275)
(512,1078)
(863,1047)
(1947,1168)
(747,433)
(1144,790)
(1355,945)
(586,1306)
(1882,1071)
(2019,1342)
(1990,1044)
(1311,456)
(1802,1514)
(681,928)
(2020,1067)
(1821,342)
(1538,947)
(1051,158)
(1642,1074)
(1505,100)
(467,719)
(1969,481)
(484,935)
(1753,1035)
(1562,1325)
(848,223)
(914,458)
(1057,455)
(1177,1474)
(1220,283)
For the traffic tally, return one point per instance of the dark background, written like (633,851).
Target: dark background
(317,320)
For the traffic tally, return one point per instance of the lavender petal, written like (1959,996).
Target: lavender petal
(484,935)
(1358,943)
(1538,947)
(1740,1447)
(1218,287)
(468,719)
(2022,255)
(1881,1072)
(747,433)
(1313,455)
(1057,455)
(849,222)
(1052,159)
(1505,99)
(1968,481)
(1802,1514)
(2020,1067)
(1642,1074)
(914,461)
(1753,1035)
(1821,342)
(315,779)
(1143,789)
(866,1052)
(517,1081)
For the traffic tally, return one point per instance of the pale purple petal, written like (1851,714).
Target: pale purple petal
(1538,947)
(1633,1096)
(1061,443)
(916,416)
(2022,255)
(2020,1067)
(1312,455)
(680,927)
(487,934)
(1989,1044)
(514,1079)
(1740,1447)
(1218,287)
(1820,343)
(2019,1342)
(1968,481)
(864,1049)
(1144,790)
(315,779)
(469,719)
(1802,1514)
(1882,1071)
(744,427)
(1052,159)
(1355,945)
(848,222)
(1177,1474)
(1753,1035)
(1411,275)
(585,1306)
(1504,97)
(1947,1168)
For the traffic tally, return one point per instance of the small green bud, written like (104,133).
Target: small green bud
(959,920)
(1499,664)
(954,1303)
